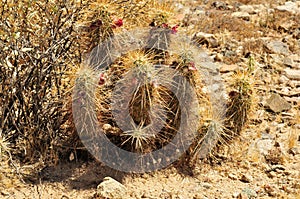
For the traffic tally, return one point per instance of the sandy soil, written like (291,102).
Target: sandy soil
(264,162)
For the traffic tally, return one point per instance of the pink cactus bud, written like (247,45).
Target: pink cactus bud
(192,66)
(174,29)
(164,25)
(118,23)
(101,79)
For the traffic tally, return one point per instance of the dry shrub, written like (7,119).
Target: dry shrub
(37,48)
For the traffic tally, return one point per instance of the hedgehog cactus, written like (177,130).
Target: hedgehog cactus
(152,81)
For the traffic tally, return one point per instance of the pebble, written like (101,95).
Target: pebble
(219,57)
(247,8)
(277,104)
(242,15)
(246,178)
(110,188)
(292,74)
(278,47)
(294,151)
(288,62)
(232,176)
(250,192)
(206,185)
(290,7)
(272,174)
(283,79)
(203,38)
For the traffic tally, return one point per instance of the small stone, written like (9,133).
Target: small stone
(242,15)
(294,151)
(203,38)
(247,8)
(272,174)
(232,176)
(235,195)
(288,61)
(219,57)
(295,57)
(250,192)
(278,47)
(277,104)
(283,79)
(246,178)
(286,26)
(110,188)
(292,74)
(206,185)
(290,7)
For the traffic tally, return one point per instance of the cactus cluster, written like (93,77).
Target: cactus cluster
(154,114)
(66,56)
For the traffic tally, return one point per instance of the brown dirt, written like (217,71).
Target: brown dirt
(239,169)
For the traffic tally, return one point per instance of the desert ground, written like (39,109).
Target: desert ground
(262,162)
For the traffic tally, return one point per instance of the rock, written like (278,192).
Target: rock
(206,185)
(242,15)
(250,192)
(110,188)
(288,61)
(246,178)
(290,7)
(278,47)
(228,68)
(232,176)
(236,194)
(283,79)
(286,26)
(247,8)
(219,57)
(206,39)
(264,145)
(277,104)
(292,74)
(292,61)
(295,57)
(276,58)
(272,174)
(294,151)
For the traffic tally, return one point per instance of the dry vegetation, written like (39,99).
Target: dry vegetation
(49,65)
